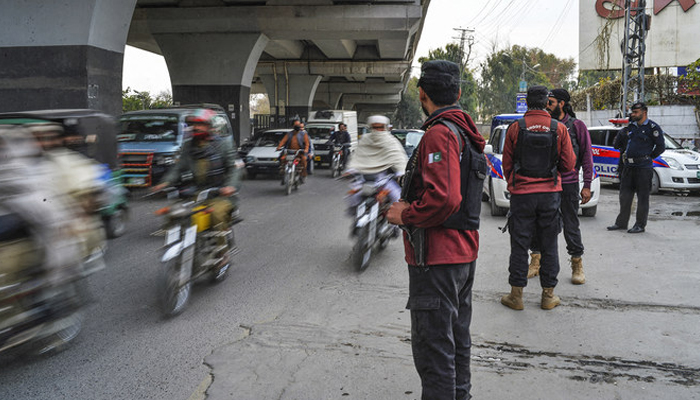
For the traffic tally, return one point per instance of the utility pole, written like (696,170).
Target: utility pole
(470,42)
(637,24)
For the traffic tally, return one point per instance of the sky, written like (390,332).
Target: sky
(551,25)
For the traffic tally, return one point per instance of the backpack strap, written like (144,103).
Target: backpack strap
(554,125)
(455,130)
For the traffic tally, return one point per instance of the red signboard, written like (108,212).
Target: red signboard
(614,9)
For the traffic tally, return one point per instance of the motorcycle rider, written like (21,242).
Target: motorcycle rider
(208,161)
(296,139)
(341,137)
(378,152)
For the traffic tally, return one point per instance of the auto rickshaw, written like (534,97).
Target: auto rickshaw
(96,135)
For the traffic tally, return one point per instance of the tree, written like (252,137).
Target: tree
(451,52)
(408,111)
(503,70)
(133,100)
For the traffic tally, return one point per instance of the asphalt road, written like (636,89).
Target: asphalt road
(293,282)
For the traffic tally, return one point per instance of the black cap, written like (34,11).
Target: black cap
(439,70)
(537,95)
(560,94)
(640,105)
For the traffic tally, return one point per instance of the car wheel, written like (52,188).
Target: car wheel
(589,211)
(655,185)
(496,211)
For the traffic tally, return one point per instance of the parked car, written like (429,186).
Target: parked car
(496,187)
(413,137)
(150,141)
(263,157)
(677,169)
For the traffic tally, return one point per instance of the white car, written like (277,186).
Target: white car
(677,169)
(496,187)
(263,157)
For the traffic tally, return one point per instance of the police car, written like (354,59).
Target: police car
(676,169)
(496,187)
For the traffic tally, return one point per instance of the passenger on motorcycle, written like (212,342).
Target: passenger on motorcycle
(377,154)
(296,139)
(341,137)
(207,161)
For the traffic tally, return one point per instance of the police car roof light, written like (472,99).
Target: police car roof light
(619,121)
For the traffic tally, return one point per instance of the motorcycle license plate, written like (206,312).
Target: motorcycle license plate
(172,235)
(374,212)
(317,158)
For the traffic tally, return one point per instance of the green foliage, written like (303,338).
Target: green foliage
(408,111)
(451,52)
(503,70)
(133,100)
(692,78)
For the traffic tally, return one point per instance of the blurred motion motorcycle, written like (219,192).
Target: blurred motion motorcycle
(292,170)
(193,248)
(337,161)
(369,199)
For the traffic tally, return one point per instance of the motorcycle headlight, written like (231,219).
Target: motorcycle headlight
(672,163)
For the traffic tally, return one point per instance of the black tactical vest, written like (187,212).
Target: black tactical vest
(473,170)
(536,154)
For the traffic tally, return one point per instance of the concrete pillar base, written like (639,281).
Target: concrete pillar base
(49,77)
(233,98)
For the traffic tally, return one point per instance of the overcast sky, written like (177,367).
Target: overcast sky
(551,25)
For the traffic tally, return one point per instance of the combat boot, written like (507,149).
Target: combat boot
(514,300)
(549,299)
(534,268)
(577,276)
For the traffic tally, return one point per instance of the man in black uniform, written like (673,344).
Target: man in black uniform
(639,143)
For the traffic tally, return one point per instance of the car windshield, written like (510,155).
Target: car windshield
(270,139)
(148,128)
(670,143)
(413,138)
(400,134)
(319,132)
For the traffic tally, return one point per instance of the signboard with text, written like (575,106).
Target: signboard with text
(520,103)
(671,41)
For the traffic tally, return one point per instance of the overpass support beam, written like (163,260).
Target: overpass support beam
(290,95)
(214,68)
(58,56)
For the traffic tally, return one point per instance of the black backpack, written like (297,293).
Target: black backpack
(536,154)
(573,134)
(473,169)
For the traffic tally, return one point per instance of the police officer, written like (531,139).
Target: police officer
(537,151)
(559,107)
(640,143)
(440,285)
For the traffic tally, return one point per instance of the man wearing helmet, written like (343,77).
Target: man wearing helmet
(207,161)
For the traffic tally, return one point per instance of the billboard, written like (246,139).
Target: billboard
(672,40)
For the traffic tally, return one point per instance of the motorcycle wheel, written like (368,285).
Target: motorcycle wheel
(361,252)
(115,224)
(69,328)
(335,168)
(218,275)
(173,297)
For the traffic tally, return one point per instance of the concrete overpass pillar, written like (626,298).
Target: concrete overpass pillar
(290,95)
(214,68)
(63,54)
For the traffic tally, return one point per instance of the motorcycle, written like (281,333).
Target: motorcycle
(41,309)
(337,161)
(370,227)
(192,250)
(292,171)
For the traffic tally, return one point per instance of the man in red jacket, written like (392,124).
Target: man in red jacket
(440,283)
(536,152)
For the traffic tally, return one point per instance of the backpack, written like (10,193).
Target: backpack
(473,169)
(573,134)
(536,154)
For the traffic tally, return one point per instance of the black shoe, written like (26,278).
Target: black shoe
(616,227)
(636,229)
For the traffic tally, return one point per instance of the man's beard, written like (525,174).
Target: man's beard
(556,112)
(425,111)
(635,118)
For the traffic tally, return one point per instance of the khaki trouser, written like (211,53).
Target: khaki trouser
(17,256)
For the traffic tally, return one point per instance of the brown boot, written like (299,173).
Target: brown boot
(577,276)
(549,299)
(514,300)
(534,268)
